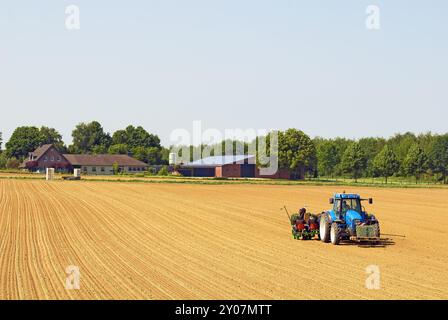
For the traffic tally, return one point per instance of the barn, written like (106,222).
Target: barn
(230,166)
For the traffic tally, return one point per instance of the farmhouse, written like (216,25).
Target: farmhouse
(229,166)
(47,156)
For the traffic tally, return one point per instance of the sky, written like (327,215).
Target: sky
(248,64)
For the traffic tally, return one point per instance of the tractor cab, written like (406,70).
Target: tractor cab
(347,203)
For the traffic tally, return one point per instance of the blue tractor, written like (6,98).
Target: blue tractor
(348,220)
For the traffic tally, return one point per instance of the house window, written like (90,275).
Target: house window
(59,158)
(52,158)
(45,158)
(93,169)
(103,169)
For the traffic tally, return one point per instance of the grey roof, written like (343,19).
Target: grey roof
(217,161)
(102,160)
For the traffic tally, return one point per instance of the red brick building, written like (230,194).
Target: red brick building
(44,157)
(47,156)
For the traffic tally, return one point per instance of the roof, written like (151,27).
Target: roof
(39,152)
(346,196)
(103,160)
(217,161)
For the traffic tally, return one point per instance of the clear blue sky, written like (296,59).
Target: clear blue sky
(277,64)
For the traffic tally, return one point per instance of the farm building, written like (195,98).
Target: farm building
(229,166)
(47,156)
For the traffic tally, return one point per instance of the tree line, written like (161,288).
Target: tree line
(88,138)
(402,155)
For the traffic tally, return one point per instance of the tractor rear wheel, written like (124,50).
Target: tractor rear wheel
(324,228)
(335,233)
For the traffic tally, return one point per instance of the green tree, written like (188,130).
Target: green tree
(1,141)
(3,160)
(416,162)
(118,149)
(163,171)
(135,137)
(140,153)
(371,147)
(115,168)
(296,151)
(12,163)
(23,140)
(438,156)
(154,155)
(328,157)
(400,144)
(354,161)
(90,137)
(51,136)
(386,163)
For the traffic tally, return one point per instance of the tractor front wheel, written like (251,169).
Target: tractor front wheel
(335,233)
(324,228)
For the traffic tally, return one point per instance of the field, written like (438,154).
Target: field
(185,241)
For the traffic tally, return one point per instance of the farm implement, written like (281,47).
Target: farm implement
(304,225)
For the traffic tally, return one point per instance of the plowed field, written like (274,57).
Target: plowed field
(179,241)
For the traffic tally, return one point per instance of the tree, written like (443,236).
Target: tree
(327,158)
(154,155)
(118,149)
(51,136)
(438,156)
(1,141)
(12,163)
(135,137)
(163,171)
(90,137)
(371,147)
(23,140)
(115,168)
(296,151)
(416,162)
(140,153)
(3,160)
(386,162)
(354,161)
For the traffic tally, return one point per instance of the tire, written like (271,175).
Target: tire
(377,230)
(335,234)
(324,228)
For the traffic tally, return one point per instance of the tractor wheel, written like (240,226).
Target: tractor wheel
(377,230)
(335,233)
(324,228)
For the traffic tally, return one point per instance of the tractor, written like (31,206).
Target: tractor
(348,220)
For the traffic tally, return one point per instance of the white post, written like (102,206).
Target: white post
(49,174)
